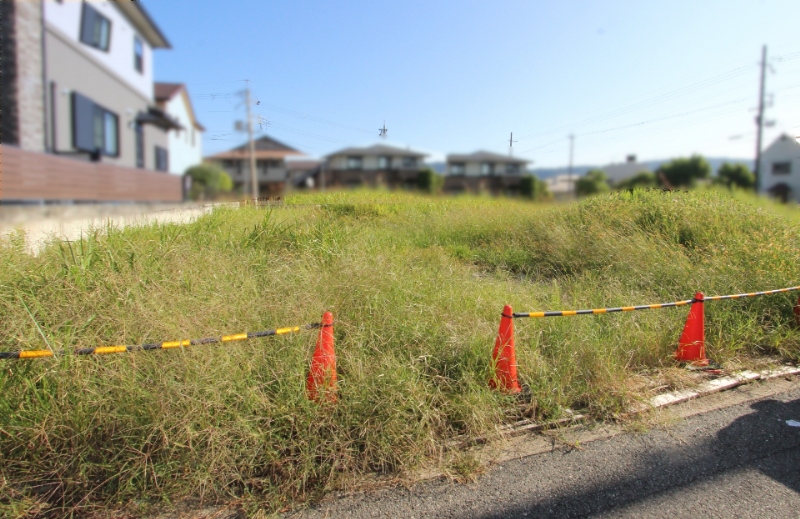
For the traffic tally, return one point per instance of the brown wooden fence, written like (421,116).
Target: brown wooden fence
(29,176)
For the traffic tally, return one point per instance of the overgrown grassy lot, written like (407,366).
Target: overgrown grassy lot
(416,286)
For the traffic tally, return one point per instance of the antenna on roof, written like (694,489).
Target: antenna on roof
(383,131)
(511,142)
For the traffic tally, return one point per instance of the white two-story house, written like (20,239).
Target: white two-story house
(780,169)
(185,145)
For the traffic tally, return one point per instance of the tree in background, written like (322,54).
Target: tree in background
(735,175)
(594,182)
(428,181)
(643,179)
(532,188)
(684,172)
(208,181)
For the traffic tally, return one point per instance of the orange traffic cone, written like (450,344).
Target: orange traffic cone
(692,345)
(504,357)
(797,312)
(322,377)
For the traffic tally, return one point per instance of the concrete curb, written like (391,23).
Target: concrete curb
(719,384)
(662,400)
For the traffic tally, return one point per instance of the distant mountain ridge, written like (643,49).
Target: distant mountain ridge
(543,173)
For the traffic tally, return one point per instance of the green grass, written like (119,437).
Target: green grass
(416,286)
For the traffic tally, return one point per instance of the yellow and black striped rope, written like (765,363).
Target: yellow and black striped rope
(33,354)
(648,307)
(752,294)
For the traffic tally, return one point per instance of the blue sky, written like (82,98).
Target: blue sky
(655,79)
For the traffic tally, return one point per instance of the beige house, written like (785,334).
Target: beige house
(271,169)
(484,171)
(88,83)
(377,165)
(78,83)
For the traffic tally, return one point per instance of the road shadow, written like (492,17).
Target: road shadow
(760,440)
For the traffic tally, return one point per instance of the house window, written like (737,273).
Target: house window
(487,168)
(353,162)
(138,54)
(139,146)
(383,162)
(162,159)
(192,137)
(457,168)
(409,162)
(95,28)
(94,129)
(781,168)
(512,169)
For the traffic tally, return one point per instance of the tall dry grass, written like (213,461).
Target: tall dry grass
(416,286)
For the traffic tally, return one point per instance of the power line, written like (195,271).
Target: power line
(664,97)
(302,115)
(219,82)
(683,114)
(593,142)
(649,121)
(649,102)
(307,134)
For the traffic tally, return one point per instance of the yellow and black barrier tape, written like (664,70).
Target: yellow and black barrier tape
(34,354)
(563,313)
(751,294)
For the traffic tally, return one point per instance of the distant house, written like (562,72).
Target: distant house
(562,187)
(271,170)
(184,145)
(78,87)
(625,170)
(377,165)
(483,171)
(780,169)
(303,171)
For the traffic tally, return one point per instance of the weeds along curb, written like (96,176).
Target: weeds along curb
(659,401)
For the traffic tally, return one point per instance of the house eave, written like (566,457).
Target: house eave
(140,18)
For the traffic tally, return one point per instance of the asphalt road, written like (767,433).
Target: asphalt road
(737,461)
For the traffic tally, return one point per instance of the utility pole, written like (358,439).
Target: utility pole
(511,142)
(253,173)
(569,169)
(760,118)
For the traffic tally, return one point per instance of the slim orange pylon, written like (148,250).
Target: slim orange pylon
(322,376)
(692,345)
(504,357)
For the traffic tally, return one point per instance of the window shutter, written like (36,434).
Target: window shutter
(83,123)
(87,25)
